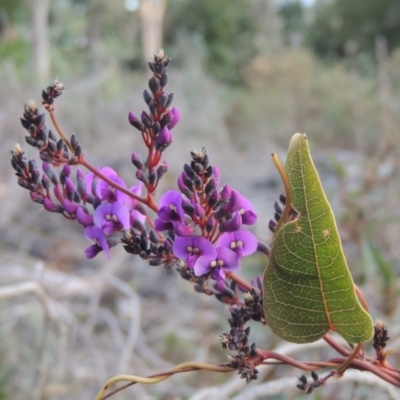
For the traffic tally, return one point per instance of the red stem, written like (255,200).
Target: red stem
(148,201)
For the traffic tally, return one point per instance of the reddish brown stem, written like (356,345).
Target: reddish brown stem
(59,129)
(240,281)
(148,201)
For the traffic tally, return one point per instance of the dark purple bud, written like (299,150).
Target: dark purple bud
(278,208)
(153,108)
(166,119)
(138,161)
(198,183)
(78,151)
(210,187)
(155,262)
(282,199)
(161,170)
(164,139)
(147,121)
(187,182)
(199,210)
(135,121)
(31,141)
(176,116)
(42,135)
(65,172)
(151,66)
(272,225)
(162,100)
(188,208)
(213,198)
(181,184)
(170,98)
(147,97)
(141,176)
(164,80)
(156,128)
(52,146)
(152,176)
(189,171)
(210,224)
(45,182)
(74,141)
(231,225)
(199,168)
(154,84)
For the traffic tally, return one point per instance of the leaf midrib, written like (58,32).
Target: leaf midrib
(327,312)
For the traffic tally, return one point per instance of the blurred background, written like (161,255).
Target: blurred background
(247,75)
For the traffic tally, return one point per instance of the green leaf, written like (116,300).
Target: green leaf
(308,289)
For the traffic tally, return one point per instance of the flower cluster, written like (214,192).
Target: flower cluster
(206,222)
(200,224)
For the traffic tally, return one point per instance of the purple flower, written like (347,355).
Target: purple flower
(170,209)
(224,261)
(190,248)
(107,192)
(231,225)
(239,203)
(94,234)
(132,204)
(111,217)
(242,242)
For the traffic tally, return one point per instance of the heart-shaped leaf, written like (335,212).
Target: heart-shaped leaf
(308,289)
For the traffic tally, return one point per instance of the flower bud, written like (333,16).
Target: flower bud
(135,121)
(176,116)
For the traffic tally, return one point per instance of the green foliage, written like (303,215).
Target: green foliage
(343,27)
(227,28)
(308,289)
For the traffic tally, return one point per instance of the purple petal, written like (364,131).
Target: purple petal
(196,246)
(113,212)
(94,234)
(182,229)
(227,259)
(249,217)
(202,265)
(170,206)
(242,242)
(235,202)
(231,225)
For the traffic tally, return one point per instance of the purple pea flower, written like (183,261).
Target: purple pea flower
(170,210)
(132,204)
(111,217)
(242,242)
(94,234)
(239,203)
(106,192)
(225,260)
(190,248)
